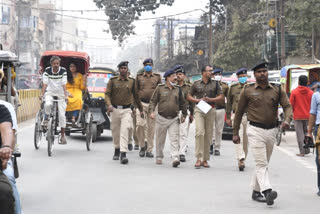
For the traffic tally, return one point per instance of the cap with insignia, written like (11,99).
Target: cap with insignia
(168,73)
(123,63)
(149,60)
(217,71)
(179,69)
(262,64)
(241,71)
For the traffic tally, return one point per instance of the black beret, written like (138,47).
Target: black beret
(168,73)
(241,71)
(217,70)
(179,68)
(262,64)
(149,60)
(123,63)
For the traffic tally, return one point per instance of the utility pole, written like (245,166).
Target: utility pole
(169,40)
(18,8)
(282,35)
(158,53)
(186,39)
(210,59)
(312,42)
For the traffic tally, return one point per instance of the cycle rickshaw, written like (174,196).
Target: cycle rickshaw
(97,80)
(84,119)
(8,64)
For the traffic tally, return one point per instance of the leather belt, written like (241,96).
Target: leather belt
(121,107)
(167,117)
(218,108)
(145,101)
(261,125)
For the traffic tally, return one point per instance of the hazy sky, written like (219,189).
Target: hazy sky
(143,28)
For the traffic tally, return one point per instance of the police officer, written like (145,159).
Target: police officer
(146,84)
(184,127)
(232,104)
(170,100)
(210,92)
(119,96)
(261,100)
(220,114)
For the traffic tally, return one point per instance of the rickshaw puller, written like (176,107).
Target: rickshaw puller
(54,84)
(119,98)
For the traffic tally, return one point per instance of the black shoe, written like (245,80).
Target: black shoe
(130,147)
(146,145)
(142,152)
(211,149)
(270,196)
(182,158)
(149,155)
(136,147)
(116,154)
(123,158)
(216,152)
(257,196)
(175,163)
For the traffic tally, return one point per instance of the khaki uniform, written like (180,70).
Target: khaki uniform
(146,84)
(219,118)
(232,104)
(120,94)
(184,127)
(262,107)
(169,102)
(204,122)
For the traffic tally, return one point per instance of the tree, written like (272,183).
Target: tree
(122,14)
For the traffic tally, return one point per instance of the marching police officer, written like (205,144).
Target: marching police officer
(232,104)
(119,96)
(208,91)
(220,114)
(170,100)
(146,85)
(184,127)
(261,99)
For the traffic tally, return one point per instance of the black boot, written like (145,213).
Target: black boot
(123,158)
(270,196)
(182,158)
(116,154)
(142,152)
(130,147)
(257,196)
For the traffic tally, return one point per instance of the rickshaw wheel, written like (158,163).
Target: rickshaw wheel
(89,134)
(68,132)
(37,131)
(50,137)
(94,132)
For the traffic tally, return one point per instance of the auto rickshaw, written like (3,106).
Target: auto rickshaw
(83,122)
(97,80)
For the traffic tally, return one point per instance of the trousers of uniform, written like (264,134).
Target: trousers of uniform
(62,106)
(301,130)
(7,202)
(133,131)
(121,124)
(183,136)
(218,128)
(164,126)
(242,148)
(145,128)
(261,143)
(203,135)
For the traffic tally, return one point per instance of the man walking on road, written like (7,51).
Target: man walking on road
(146,85)
(120,94)
(300,100)
(170,100)
(232,104)
(220,114)
(261,100)
(184,127)
(209,91)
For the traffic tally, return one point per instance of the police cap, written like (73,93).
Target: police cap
(123,63)
(179,69)
(168,73)
(149,60)
(217,71)
(262,64)
(241,71)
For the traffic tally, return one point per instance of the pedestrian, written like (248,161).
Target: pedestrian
(169,99)
(232,104)
(300,100)
(220,114)
(314,120)
(146,85)
(261,100)
(184,127)
(119,98)
(209,91)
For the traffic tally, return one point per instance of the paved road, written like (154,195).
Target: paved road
(77,181)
